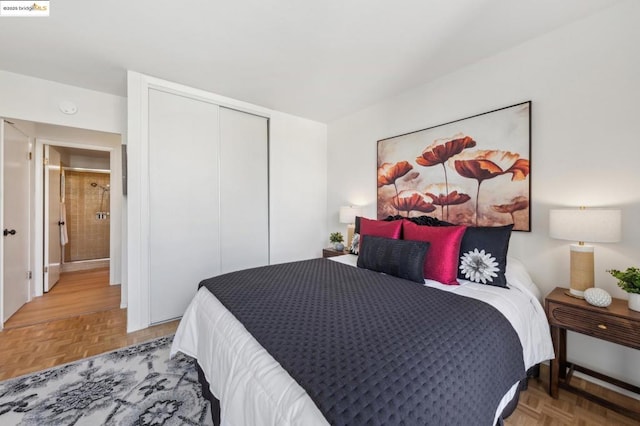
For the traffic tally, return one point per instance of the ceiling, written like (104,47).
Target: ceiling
(316,59)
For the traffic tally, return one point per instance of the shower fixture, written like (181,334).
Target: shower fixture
(101,214)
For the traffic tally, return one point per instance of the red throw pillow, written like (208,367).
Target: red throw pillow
(381,228)
(441,263)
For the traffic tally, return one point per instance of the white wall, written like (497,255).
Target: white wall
(584,82)
(298,189)
(35,99)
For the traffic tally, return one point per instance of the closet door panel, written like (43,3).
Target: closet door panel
(183,200)
(244,190)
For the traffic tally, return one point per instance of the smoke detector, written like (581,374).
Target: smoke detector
(68,107)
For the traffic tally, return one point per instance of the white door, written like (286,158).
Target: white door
(183,200)
(244,190)
(14,198)
(52,248)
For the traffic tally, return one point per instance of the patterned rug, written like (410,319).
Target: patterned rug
(138,385)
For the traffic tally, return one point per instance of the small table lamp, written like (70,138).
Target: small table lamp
(348,215)
(584,225)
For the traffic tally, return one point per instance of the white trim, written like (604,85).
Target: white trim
(137,288)
(46,285)
(149,82)
(2,221)
(84,169)
(138,273)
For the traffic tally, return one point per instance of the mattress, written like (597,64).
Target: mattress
(254,389)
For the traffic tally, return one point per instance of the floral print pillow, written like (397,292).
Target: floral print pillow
(355,244)
(483,255)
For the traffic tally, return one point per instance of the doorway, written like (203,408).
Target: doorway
(86,193)
(84,157)
(79,210)
(76,206)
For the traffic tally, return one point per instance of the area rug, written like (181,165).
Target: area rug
(138,385)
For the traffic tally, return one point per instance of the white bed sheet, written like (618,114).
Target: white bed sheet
(254,389)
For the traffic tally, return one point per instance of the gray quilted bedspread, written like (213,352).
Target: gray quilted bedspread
(374,349)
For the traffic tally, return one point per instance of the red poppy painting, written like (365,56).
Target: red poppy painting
(474,171)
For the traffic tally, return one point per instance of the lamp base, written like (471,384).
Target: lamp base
(581,269)
(568,293)
(351,228)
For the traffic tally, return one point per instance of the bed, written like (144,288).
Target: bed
(294,382)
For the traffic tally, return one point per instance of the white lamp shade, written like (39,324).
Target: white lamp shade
(348,214)
(586,225)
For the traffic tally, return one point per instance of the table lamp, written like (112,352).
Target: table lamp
(348,215)
(584,225)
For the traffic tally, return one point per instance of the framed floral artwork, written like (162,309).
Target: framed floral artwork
(475,171)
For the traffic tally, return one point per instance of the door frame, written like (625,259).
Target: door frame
(47,223)
(38,269)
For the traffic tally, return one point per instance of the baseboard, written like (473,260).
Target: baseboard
(84,265)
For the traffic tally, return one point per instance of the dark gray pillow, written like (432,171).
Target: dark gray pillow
(400,258)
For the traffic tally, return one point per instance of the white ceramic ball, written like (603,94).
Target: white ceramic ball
(597,297)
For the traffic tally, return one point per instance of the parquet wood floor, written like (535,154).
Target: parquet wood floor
(536,407)
(80,317)
(76,293)
(43,345)
(32,348)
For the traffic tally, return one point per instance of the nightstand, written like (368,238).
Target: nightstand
(616,323)
(330,252)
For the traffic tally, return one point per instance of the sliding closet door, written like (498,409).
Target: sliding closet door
(183,200)
(244,190)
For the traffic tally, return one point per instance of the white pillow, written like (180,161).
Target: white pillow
(518,277)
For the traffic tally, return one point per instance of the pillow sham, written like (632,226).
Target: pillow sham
(400,258)
(355,244)
(483,255)
(442,263)
(378,228)
(518,278)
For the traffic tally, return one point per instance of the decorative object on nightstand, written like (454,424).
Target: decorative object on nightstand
(584,225)
(336,239)
(597,297)
(616,323)
(348,216)
(629,281)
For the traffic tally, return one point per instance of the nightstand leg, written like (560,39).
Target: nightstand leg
(554,371)
(562,353)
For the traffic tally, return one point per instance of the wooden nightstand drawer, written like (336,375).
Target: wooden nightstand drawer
(601,325)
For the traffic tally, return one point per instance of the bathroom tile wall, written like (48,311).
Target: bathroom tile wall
(87,215)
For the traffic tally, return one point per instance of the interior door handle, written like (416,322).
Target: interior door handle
(7,232)
(60,223)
